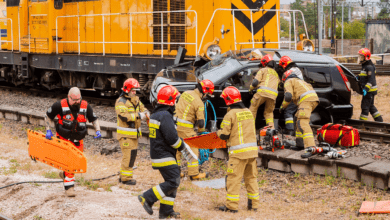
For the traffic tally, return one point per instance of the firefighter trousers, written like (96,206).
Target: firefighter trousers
(258,100)
(69,177)
(166,191)
(129,154)
(237,168)
(289,116)
(303,133)
(193,165)
(369,107)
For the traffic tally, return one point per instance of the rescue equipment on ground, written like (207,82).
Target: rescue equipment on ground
(324,149)
(339,135)
(271,139)
(57,153)
(375,207)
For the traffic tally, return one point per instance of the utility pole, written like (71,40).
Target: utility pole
(319,14)
(349,13)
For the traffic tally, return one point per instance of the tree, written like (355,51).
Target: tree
(352,30)
(284,26)
(384,13)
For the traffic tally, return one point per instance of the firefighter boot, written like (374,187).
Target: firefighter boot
(297,148)
(199,176)
(145,204)
(131,182)
(172,215)
(250,206)
(69,192)
(226,209)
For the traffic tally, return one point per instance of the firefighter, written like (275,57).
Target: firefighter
(286,64)
(190,112)
(266,83)
(304,96)
(130,111)
(238,129)
(73,114)
(369,87)
(164,144)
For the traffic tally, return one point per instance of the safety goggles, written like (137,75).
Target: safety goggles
(75,100)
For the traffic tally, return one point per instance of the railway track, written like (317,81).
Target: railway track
(383,70)
(369,130)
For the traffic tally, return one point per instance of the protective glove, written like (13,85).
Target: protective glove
(49,134)
(364,92)
(98,134)
(142,115)
(281,109)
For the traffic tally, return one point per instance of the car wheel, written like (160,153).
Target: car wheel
(320,116)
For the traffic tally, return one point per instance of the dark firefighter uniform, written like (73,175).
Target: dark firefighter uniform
(164,144)
(368,83)
(304,96)
(238,129)
(190,111)
(266,83)
(128,132)
(71,127)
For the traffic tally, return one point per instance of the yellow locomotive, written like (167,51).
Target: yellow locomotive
(99,43)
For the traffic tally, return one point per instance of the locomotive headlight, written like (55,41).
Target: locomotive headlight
(213,51)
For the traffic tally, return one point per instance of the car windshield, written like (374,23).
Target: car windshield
(217,61)
(177,76)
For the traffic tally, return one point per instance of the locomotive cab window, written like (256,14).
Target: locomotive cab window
(317,77)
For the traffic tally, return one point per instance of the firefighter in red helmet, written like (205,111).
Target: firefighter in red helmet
(266,84)
(238,129)
(190,113)
(368,83)
(130,112)
(164,144)
(73,114)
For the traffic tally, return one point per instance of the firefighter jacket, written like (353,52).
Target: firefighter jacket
(293,67)
(129,122)
(298,91)
(164,141)
(238,129)
(367,77)
(189,111)
(70,127)
(266,82)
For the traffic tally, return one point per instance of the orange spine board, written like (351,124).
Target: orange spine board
(206,141)
(56,153)
(375,207)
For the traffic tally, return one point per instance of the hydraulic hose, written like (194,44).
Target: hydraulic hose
(56,181)
(204,153)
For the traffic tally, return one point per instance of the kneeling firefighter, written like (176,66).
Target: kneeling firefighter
(304,96)
(238,129)
(164,144)
(266,83)
(72,114)
(368,83)
(190,112)
(130,111)
(286,64)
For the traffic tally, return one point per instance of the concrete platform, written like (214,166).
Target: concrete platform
(323,165)
(349,167)
(299,164)
(276,160)
(376,174)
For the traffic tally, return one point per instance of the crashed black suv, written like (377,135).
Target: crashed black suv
(332,82)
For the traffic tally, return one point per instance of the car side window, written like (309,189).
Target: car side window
(243,78)
(317,77)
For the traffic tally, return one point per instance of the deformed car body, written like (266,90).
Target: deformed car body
(330,79)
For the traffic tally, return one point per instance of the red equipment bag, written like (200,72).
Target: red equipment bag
(337,134)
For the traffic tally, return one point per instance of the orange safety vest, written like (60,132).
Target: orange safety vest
(67,126)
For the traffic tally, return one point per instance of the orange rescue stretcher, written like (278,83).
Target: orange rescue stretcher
(375,207)
(206,141)
(56,153)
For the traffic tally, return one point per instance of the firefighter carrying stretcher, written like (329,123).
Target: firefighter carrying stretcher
(130,111)
(72,114)
(164,144)
(369,86)
(266,85)
(190,113)
(238,129)
(304,96)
